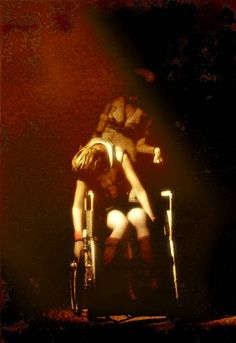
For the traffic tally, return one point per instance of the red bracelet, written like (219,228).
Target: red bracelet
(78,236)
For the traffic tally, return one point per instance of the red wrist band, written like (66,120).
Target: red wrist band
(78,236)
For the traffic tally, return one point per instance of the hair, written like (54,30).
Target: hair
(89,161)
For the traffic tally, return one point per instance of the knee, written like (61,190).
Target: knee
(117,220)
(137,217)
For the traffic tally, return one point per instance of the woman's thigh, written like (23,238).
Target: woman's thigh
(117,222)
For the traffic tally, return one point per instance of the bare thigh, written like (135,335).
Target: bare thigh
(117,222)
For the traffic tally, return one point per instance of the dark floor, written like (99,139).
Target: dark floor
(63,326)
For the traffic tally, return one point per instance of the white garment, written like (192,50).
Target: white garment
(111,149)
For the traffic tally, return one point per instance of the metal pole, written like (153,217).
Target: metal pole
(169,213)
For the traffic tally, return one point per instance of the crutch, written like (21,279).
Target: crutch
(168,194)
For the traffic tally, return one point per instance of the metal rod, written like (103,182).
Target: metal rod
(169,213)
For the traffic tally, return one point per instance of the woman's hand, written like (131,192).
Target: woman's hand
(157,156)
(78,249)
(153,219)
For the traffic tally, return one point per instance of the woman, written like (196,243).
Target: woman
(124,121)
(127,125)
(107,170)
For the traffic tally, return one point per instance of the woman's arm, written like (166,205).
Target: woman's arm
(77,216)
(143,147)
(78,206)
(137,186)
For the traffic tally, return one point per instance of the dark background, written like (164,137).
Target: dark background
(61,62)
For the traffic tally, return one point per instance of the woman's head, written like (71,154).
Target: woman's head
(90,161)
(140,83)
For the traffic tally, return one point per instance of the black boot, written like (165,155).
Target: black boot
(109,274)
(130,278)
(130,272)
(146,255)
(110,250)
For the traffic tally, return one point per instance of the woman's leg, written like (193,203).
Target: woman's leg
(118,223)
(138,219)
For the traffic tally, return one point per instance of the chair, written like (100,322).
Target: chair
(83,274)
